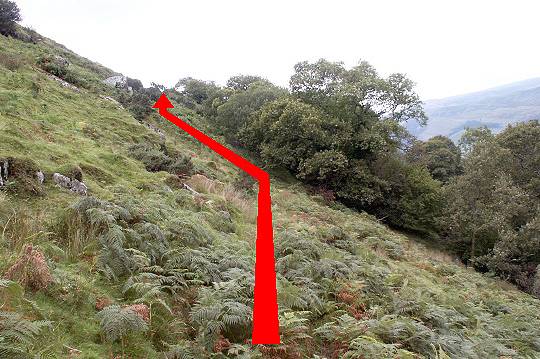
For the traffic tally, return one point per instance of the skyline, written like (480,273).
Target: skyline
(447,49)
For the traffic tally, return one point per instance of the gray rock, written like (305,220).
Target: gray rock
(60,61)
(73,185)
(118,81)
(4,172)
(4,168)
(40,177)
(64,83)
(79,187)
(62,181)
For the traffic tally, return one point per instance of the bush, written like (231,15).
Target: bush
(60,67)
(9,16)
(54,65)
(155,160)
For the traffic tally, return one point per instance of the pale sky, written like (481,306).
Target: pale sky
(446,47)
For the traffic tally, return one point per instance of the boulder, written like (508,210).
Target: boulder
(79,187)
(60,61)
(73,184)
(40,176)
(62,181)
(118,81)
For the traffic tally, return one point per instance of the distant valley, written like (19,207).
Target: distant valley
(496,108)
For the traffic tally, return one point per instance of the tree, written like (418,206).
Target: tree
(410,197)
(439,155)
(9,15)
(235,113)
(197,90)
(492,208)
(472,136)
(242,82)
(288,132)
(332,87)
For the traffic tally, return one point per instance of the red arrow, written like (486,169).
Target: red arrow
(265,308)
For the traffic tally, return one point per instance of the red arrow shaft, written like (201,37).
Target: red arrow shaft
(265,308)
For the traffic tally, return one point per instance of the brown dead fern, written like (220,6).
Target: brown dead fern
(30,269)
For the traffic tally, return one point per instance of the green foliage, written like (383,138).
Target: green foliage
(156,160)
(140,101)
(235,113)
(60,67)
(9,16)
(347,285)
(492,208)
(225,308)
(439,155)
(17,334)
(339,91)
(117,322)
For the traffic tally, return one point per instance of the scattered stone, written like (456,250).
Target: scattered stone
(110,99)
(60,61)
(40,176)
(79,187)
(62,181)
(156,130)
(186,186)
(118,81)
(4,166)
(63,83)
(73,184)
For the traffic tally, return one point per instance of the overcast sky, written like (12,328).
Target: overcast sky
(446,47)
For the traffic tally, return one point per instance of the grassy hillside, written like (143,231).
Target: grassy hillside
(347,285)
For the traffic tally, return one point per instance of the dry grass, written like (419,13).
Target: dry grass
(205,185)
(19,225)
(11,62)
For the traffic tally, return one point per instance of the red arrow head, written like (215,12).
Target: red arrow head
(163,102)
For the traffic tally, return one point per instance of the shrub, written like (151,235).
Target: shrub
(27,35)
(9,16)
(60,67)
(53,65)
(155,160)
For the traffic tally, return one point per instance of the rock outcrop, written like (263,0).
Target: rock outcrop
(118,81)
(73,185)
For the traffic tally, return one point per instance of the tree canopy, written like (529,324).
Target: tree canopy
(9,15)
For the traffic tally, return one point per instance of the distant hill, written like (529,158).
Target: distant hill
(495,107)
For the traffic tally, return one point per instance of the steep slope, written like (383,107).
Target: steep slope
(181,259)
(496,108)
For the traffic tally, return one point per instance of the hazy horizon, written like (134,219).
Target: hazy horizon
(447,49)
